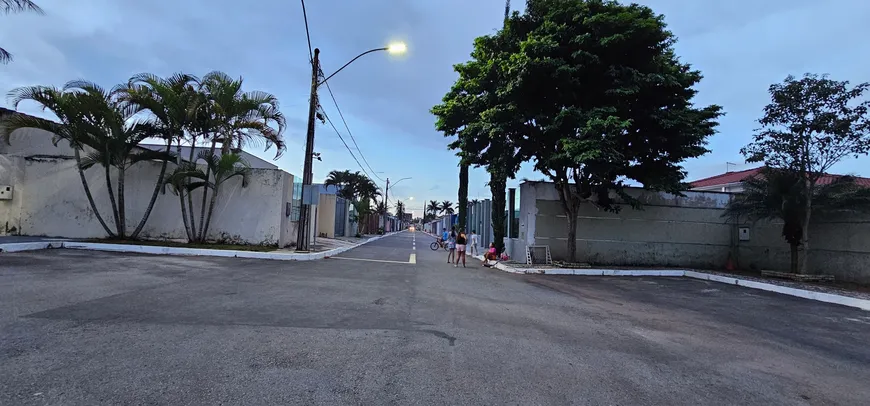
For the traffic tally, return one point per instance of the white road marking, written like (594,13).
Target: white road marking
(413,259)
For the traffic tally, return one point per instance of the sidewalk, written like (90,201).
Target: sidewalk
(280,255)
(825,294)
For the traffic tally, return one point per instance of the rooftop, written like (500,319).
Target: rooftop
(739,176)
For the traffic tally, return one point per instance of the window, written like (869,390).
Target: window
(296,200)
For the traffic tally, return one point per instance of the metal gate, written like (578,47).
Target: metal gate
(341,209)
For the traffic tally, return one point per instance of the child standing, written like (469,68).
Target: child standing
(472,248)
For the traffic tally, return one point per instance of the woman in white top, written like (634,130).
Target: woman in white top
(472,245)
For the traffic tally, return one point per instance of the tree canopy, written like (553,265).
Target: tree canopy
(591,91)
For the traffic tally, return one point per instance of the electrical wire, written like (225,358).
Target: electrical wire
(326,117)
(307,34)
(350,133)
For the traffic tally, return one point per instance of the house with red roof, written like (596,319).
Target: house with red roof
(732,182)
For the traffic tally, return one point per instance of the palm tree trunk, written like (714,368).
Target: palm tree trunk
(202,235)
(118,229)
(214,194)
(154,196)
(91,197)
(122,215)
(190,235)
(192,159)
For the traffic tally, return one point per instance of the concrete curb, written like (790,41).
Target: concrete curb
(158,250)
(862,304)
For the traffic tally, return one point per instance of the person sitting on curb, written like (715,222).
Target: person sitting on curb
(490,255)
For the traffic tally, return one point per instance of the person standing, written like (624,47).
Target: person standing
(461,241)
(451,245)
(473,244)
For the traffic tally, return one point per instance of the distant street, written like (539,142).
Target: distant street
(388,324)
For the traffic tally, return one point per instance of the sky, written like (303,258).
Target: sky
(740,46)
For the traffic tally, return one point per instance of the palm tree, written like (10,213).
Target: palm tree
(65,106)
(99,125)
(345,181)
(433,207)
(219,170)
(15,6)
(778,194)
(174,103)
(447,207)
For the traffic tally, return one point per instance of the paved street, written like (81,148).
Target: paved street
(87,328)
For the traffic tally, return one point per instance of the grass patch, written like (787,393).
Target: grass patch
(208,246)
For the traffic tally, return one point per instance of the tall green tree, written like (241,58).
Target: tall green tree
(488,129)
(779,194)
(345,182)
(462,202)
(15,6)
(598,98)
(811,124)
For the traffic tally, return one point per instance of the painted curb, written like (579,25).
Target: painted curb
(862,304)
(158,250)
(30,246)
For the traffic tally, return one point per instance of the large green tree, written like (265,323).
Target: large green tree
(593,92)
(15,6)
(811,124)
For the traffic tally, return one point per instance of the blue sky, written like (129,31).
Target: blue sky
(741,46)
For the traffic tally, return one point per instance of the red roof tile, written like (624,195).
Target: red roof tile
(739,176)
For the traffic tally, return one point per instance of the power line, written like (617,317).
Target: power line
(351,134)
(326,117)
(307,34)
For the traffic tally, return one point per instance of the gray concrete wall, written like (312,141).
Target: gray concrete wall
(673,231)
(49,200)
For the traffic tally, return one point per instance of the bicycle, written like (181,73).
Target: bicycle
(438,244)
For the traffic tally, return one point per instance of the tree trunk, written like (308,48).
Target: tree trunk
(122,214)
(202,220)
(463,195)
(190,235)
(154,195)
(805,237)
(88,194)
(497,185)
(572,237)
(794,258)
(204,226)
(118,229)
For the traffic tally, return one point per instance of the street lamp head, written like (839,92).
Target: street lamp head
(397,48)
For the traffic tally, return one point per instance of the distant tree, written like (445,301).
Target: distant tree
(345,182)
(811,124)
(780,194)
(15,6)
(447,207)
(433,208)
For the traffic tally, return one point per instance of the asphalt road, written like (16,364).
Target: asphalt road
(87,328)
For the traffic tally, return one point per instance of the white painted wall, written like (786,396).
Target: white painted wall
(48,199)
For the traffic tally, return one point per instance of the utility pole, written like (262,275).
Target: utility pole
(386,199)
(307,171)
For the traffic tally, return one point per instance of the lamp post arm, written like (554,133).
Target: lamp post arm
(350,62)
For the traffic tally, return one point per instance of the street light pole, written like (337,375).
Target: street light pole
(303,229)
